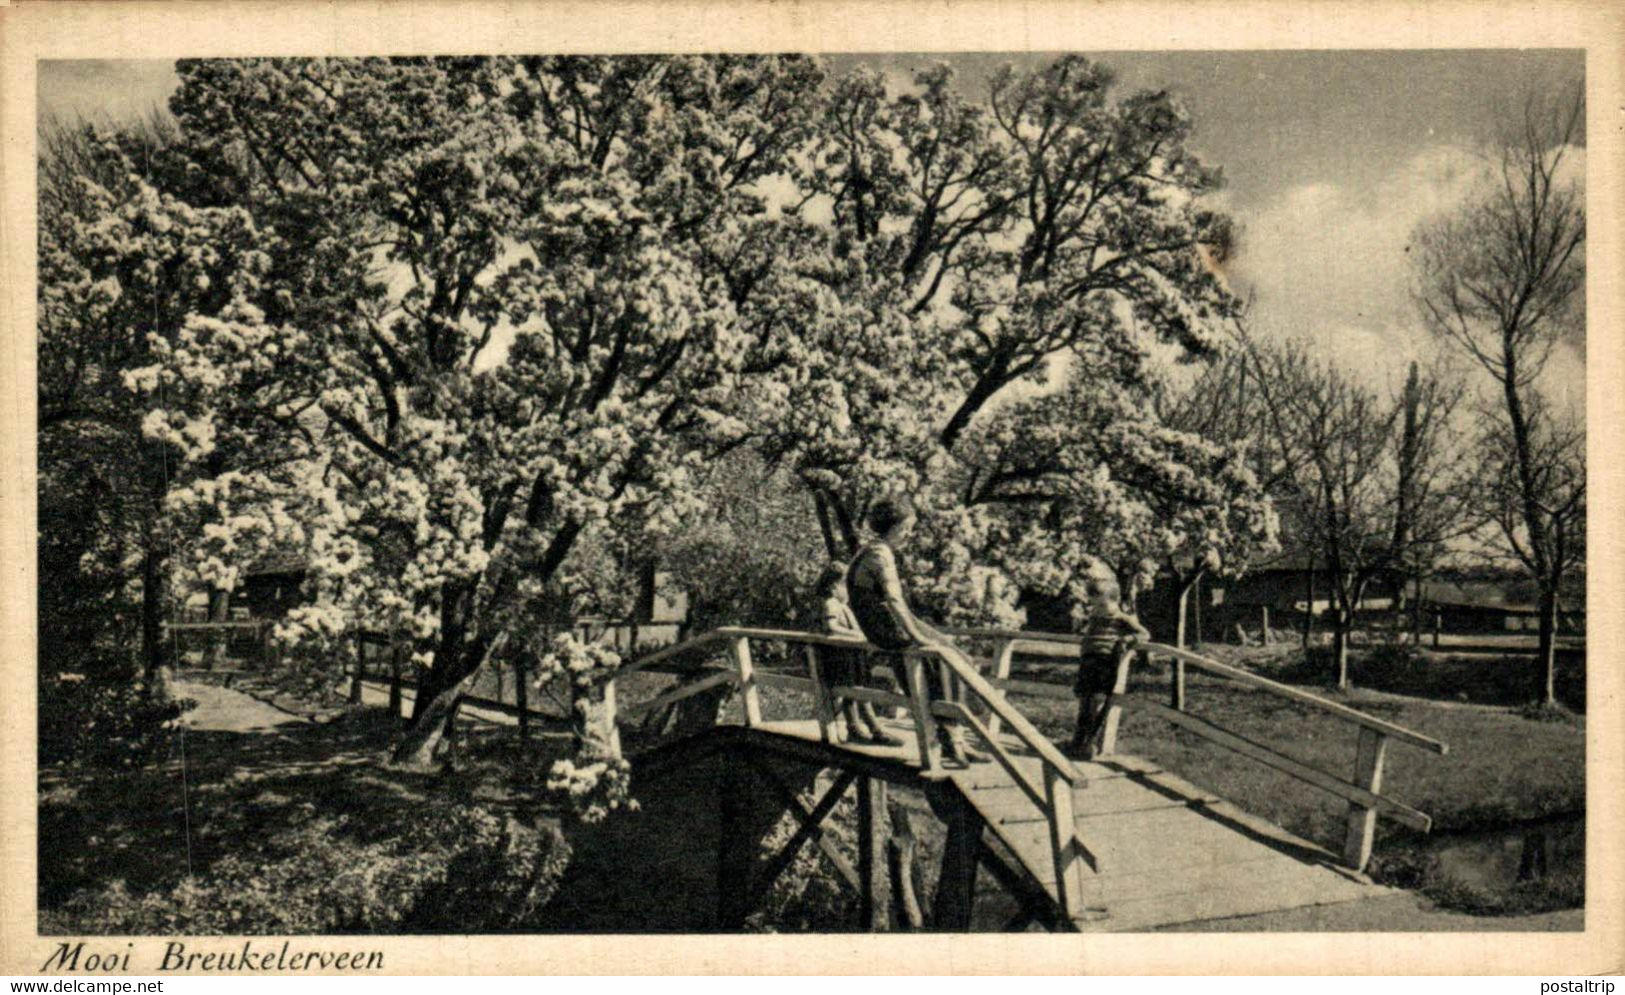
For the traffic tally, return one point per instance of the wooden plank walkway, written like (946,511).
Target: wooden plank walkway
(1161,851)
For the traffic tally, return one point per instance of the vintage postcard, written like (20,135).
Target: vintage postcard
(792,487)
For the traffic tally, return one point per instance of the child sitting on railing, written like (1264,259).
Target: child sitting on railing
(1108,632)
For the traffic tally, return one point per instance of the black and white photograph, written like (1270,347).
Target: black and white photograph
(1021,490)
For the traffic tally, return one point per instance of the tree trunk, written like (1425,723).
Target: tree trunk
(1197,610)
(832,547)
(1416,611)
(1548,644)
(1309,610)
(843,521)
(521,694)
(986,385)
(154,659)
(438,695)
(396,665)
(1340,648)
(1185,588)
(1348,605)
(219,611)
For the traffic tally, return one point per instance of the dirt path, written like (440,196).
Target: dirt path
(224,710)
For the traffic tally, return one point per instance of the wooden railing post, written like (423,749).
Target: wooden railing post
(919,704)
(1114,711)
(1001,672)
(1176,688)
(1362,819)
(1063,833)
(748,692)
(872,905)
(612,725)
(396,652)
(822,703)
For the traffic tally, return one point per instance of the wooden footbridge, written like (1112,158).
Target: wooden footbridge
(1112,842)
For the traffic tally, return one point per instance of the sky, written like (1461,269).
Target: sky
(1331,159)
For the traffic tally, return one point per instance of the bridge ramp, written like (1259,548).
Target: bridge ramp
(1162,851)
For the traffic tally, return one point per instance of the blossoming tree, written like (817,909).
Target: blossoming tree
(596,216)
(509,306)
(122,266)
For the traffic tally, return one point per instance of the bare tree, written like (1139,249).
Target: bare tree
(1502,280)
(1222,405)
(1331,438)
(1432,490)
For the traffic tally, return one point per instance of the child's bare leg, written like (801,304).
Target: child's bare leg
(851,719)
(1080,732)
(871,721)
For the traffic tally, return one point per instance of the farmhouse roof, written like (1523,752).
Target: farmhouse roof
(1477,594)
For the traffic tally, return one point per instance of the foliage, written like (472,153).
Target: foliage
(122,263)
(808,895)
(104,722)
(504,312)
(1369,482)
(598,211)
(1053,227)
(594,787)
(1091,472)
(455,870)
(754,556)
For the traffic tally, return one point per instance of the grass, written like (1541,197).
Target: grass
(1510,679)
(185,827)
(241,793)
(1504,771)
(232,794)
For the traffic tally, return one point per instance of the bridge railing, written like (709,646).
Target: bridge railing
(1361,792)
(960,681)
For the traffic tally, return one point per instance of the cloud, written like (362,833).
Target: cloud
(104,90)
(1328,262)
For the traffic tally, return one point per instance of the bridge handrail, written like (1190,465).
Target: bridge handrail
(1053,797)
(727,632)
(990,696)
(1010,716)
(1236,674)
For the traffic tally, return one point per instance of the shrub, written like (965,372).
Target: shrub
(1541,711)
(457,870)
(104,722)
(1564,890)
(808,895)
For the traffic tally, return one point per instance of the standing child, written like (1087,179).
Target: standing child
(1108,632)
(844,667)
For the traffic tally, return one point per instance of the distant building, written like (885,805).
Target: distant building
(1283,591)
(271,586)
(1490,606)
